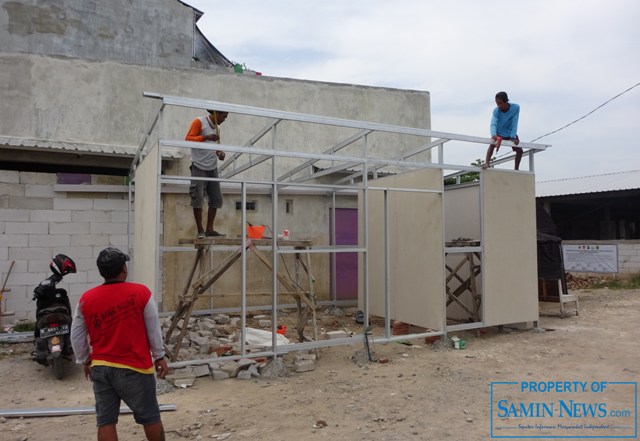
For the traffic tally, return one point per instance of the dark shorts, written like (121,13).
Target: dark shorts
(138,391)
(515,149)
(199,188)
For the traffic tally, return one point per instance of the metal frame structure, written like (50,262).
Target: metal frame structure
(304,177)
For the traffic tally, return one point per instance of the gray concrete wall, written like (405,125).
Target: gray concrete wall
(144,32)
(37,222)
(101,102)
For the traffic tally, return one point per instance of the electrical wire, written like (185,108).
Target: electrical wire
(584,116)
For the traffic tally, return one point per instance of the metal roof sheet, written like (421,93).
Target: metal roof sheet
(629,180)
(97,149)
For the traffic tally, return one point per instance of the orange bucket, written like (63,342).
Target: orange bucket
(282,330)
(255,231)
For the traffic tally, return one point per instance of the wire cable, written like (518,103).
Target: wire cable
(584,116)
(581,118)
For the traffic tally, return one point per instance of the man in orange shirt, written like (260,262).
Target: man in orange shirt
(116,336)
(204,163)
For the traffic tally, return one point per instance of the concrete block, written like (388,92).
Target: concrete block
(201,370)
(4,253)
(119,240)
(29,279)
(24,253)
(112,204)
(305,365)
(245,362)
(336,334)
(50,216)
(199,341)
(13,190)
(31,203)
(69,227)
(207,325)
(97,240)
(89,216)
(9,177)
(26,228)
(72,203)
(221,319)
(38,178)
(107,228)
(215,365)
(50,240)
(119,216)
(35,190)
(181,380)
(306,357)
(253,370)
(219,375)
(14,215)
(14,240)
(232,368)
(244,375)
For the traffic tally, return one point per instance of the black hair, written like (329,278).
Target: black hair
(502,96)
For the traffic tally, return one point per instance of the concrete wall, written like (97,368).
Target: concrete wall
(144,32)
(628,255)
(37,222)
(101,102)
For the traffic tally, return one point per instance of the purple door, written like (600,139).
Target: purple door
(345,273)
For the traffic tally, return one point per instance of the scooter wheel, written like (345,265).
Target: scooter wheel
(58,367)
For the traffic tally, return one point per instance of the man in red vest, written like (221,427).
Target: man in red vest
(120,319)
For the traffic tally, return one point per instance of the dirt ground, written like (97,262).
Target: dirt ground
(420,394)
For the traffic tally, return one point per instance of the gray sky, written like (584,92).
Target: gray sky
(558,59)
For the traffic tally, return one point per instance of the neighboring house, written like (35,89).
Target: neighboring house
(72,115)
(598,210)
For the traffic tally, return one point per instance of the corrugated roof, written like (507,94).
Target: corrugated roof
(97,149)
(629,180)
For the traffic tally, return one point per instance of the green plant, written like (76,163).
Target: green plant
(632,283)
(467,177)
(24,327)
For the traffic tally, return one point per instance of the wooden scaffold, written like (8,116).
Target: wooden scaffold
(197,289)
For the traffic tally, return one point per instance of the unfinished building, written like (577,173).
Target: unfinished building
(438,258)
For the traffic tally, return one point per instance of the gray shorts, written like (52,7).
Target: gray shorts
(199,188)
(138,391)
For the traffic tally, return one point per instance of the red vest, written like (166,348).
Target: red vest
(114,315)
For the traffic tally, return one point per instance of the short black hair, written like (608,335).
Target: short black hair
(502,96)
(110,262)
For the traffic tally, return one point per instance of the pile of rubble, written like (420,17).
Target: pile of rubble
(586,282)
(219,337)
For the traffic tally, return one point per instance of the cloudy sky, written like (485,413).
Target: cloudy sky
(558,59)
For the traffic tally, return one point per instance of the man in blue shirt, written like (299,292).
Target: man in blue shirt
(504,127)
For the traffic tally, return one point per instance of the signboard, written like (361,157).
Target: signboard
(590,258)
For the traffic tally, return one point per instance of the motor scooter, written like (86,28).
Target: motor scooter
(53,317)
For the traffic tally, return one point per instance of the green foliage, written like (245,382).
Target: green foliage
(631,283)
(24,327)
(467,177)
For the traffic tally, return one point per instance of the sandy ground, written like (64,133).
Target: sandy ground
(420,394)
